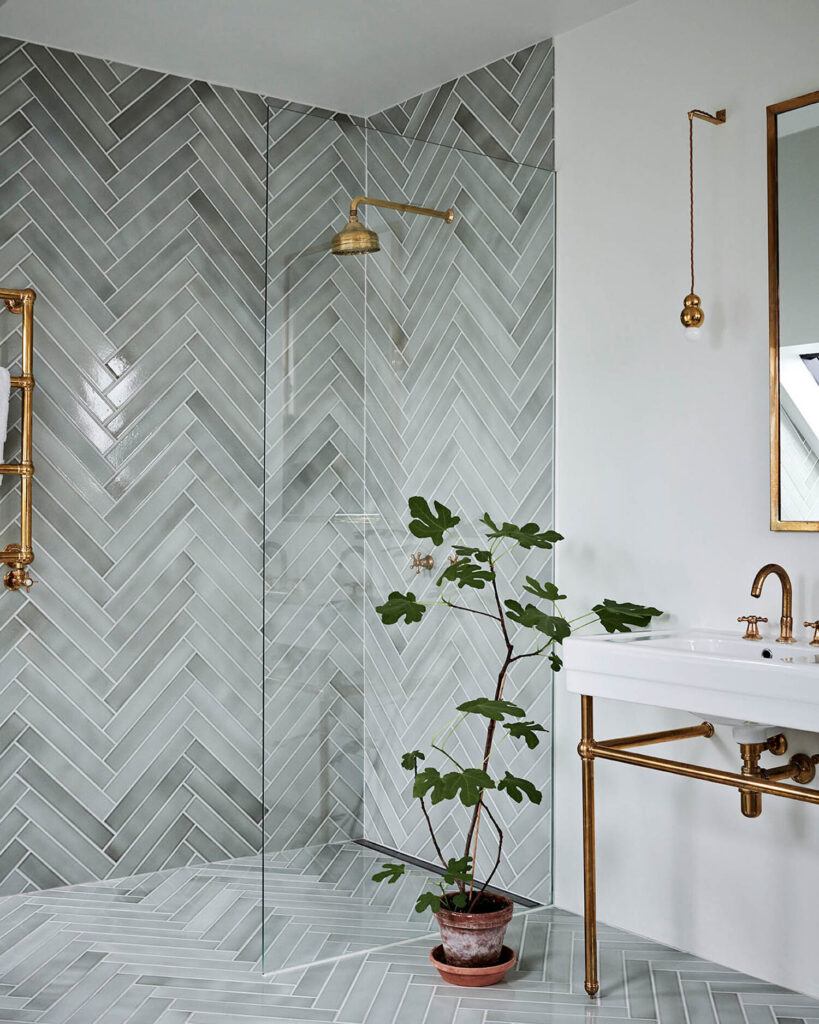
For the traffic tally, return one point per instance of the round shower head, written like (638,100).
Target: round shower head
(354,239)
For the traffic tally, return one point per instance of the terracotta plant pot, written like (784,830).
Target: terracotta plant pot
(475,940)
(473,976)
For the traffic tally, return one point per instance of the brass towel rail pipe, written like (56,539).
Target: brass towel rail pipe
(19,556)
(591,750)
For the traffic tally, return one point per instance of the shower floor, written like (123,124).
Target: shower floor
(183,947)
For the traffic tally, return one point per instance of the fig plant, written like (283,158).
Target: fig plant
(475,568)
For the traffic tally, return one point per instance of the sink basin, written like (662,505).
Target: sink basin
(713,675)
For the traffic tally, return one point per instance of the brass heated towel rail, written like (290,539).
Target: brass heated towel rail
(18,557)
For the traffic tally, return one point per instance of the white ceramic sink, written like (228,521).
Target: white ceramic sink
(718,676)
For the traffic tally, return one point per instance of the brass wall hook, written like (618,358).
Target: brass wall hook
(419,562)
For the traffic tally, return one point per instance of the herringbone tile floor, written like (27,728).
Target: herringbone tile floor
(183,947)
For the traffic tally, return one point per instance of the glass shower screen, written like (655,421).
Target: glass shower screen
(426,368)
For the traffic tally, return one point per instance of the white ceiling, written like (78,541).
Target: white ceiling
(357,56)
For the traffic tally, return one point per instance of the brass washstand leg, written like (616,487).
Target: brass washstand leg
(589,874)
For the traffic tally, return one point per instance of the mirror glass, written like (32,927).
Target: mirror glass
(793,136)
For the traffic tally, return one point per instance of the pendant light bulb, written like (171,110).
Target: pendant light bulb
(692,315)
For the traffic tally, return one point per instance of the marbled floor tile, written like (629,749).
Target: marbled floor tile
(184,946)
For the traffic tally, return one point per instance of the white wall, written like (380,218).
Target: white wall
(663,450)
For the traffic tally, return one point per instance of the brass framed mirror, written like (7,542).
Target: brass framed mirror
(793,273)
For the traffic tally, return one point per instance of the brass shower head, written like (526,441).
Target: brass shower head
(354,239)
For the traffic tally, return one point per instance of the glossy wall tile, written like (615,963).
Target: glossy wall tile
(133,203)
(459,407)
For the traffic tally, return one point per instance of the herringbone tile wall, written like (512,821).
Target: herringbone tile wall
(458,338)
(133,203)
(505,110)
(459,407)
(314,681)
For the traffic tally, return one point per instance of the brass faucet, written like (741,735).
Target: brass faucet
(786,622)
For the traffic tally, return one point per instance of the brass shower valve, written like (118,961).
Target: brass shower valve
(752,632)
(815,627)
(419,562)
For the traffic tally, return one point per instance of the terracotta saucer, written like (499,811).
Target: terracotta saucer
(473,976)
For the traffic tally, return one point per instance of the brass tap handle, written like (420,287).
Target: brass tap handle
(18,579)
(752,632)
(419,562)
(815,627)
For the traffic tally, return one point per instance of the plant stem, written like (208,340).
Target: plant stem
(533,654)
(583,625)
(499,830)
(490,731)
(585,615)
(429,826)
(474,611)
(452,725)
(475,851)
(435,746)
(500,616)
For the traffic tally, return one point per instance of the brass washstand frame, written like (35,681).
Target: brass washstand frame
(618,750)
(19,556)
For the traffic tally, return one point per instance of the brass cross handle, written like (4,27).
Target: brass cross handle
(815,627)
(752,632)
(18,579)
(420,562)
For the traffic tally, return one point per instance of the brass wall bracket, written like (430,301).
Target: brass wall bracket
(703,115)
(17,557)
(801,768)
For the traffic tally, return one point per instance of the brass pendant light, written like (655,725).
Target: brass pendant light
(693,315)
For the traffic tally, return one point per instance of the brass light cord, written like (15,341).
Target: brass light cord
(692,313)
(691,186)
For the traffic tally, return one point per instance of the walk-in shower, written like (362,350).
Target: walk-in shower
(425,370)
(356,240)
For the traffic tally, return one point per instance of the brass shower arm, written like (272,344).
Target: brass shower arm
(447,215)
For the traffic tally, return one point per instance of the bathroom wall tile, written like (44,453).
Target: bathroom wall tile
(140,223)
(505,110)
(447,413)
(314,487)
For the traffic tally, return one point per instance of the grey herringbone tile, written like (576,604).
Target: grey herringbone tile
(504,111)
(447,412)
(182,946)
(126,750)
(315,454)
